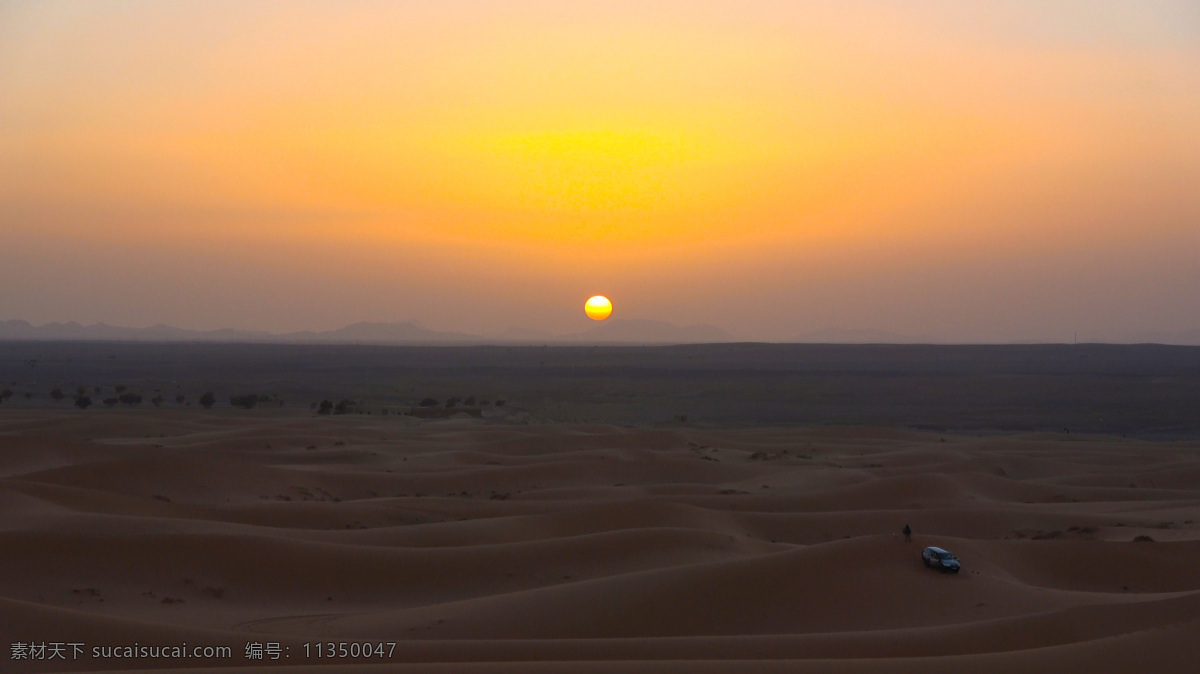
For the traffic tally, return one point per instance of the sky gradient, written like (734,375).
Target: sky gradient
(966,171)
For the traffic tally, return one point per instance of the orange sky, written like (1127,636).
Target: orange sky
(966,171)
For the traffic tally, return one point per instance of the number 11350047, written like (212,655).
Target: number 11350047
(349,649)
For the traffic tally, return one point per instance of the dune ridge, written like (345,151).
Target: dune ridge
(480,547)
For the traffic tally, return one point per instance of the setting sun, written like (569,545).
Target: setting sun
(598,308)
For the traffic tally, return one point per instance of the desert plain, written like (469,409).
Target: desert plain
(716,508)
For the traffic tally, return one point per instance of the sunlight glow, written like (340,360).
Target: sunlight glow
(598,308)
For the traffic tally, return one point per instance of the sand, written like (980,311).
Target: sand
(478,547)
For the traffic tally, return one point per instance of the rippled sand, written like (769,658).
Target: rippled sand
(570,548)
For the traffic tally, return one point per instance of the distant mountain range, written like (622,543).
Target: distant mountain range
(1189,337)
(632,330)
(614,331)
(869,336)
(859,336)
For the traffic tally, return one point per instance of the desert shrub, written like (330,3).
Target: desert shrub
(470,401)
(82,390)
(5,394)
(97,390)
(326,407)
(57,394)
(208,400)
(246,402)
(342,406)
(83,402)
(130,398)
(111,402)
(451,403)
(429,402)
(179,399)
(120,388)
(158,400)
(499,403)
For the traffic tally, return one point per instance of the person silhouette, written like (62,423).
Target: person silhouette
(907,534)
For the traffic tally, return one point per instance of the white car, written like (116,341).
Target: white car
(942,560)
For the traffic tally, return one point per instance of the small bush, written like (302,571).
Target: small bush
(83,402)
(208,400)
(57,394)
(158,400)
(130,399)
(179,399)
(111,402)
(246,402)
(429,402)
(326,407)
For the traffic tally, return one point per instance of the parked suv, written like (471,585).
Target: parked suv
(937,558)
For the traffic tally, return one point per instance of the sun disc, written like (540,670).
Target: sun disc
(597,308)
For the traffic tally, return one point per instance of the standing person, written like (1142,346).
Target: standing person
(907,534)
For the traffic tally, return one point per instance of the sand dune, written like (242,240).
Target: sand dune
(584,548)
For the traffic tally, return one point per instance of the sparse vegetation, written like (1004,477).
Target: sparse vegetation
(343,406)
(326,407)
(57,394)
(208,400)
(428,402)
(158,400)
(111,402)
(120,388)
(179,399)
(247,401)
(5,394)
(83,402)
(130,399)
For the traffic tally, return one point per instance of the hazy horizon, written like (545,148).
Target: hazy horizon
(614,331)
(991,172)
